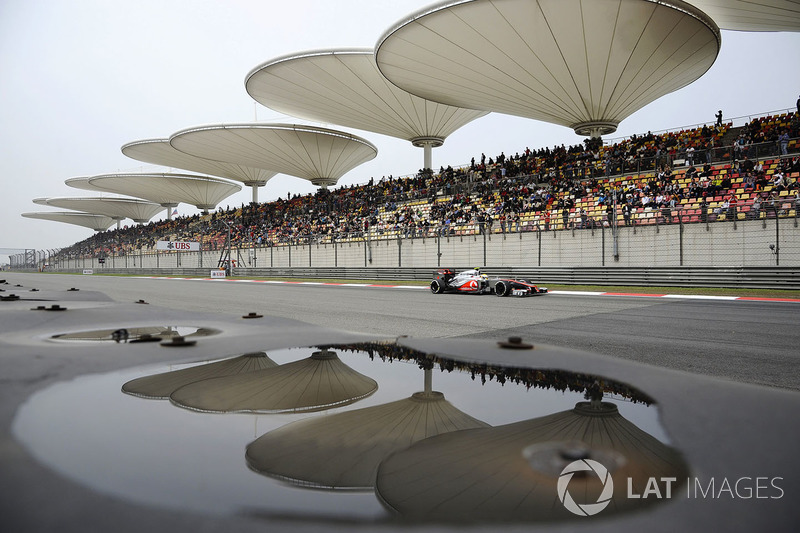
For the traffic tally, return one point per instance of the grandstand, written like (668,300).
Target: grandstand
(699,175)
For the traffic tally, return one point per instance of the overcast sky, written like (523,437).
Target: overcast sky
(80,78)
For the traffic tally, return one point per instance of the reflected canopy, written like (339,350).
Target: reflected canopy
(343,451)
(162,385)
(511,472)
(319,382)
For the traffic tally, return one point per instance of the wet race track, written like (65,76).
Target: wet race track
(357,429)
(746,341)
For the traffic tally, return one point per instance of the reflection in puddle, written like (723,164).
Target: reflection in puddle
(429,437)
(161,386)
(319,382)
(137,334)
(512,471)
(343,450)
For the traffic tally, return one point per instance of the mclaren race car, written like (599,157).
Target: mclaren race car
(475,282)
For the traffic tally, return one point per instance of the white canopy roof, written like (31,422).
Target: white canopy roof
(116,208)
(753,15)
(167,190)
(345,87)
(160,152)
(585,65)
(87,220)
(318,155)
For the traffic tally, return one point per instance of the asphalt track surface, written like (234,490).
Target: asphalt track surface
(746,341)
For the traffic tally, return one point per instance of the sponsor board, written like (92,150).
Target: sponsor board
(179,246)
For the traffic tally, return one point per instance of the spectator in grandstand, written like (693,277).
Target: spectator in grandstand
(749,182)
(627,210)
(584,219)
(755,208)
(783,140)
(738,148)
(778,181)
(733,203)
(772,203)
(703,210)
(746,166)
(719,118)
(690,155)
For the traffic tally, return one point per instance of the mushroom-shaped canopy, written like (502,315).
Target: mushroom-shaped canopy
(345,87)
(87,220)
(167,190)
(585,65)
(160,152)
(512,472)
(162,385)
(318,155)
(343,450)
(319,382)
(752,15)
(116,208)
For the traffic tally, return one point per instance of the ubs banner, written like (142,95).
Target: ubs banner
(181,246)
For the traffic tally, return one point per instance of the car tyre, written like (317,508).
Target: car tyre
(501,289)
(437,287)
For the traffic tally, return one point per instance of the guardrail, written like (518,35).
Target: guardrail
(725,277)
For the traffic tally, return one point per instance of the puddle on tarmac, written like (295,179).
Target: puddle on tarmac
(308,433)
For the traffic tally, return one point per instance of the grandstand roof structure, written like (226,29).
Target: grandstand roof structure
(752,15)
(87,220)
(160,152)
(318,155)
(139,211)
(584,65)
(168,190)
(345,87)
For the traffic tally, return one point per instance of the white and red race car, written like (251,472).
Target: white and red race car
(475,282)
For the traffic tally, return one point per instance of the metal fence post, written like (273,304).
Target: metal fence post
(539,237)
(603,246)
(680,238)
(484,247)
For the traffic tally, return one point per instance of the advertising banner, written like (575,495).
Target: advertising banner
(180,246)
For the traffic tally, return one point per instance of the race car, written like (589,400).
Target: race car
(475,282)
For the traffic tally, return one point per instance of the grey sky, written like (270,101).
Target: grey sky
(80,78)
